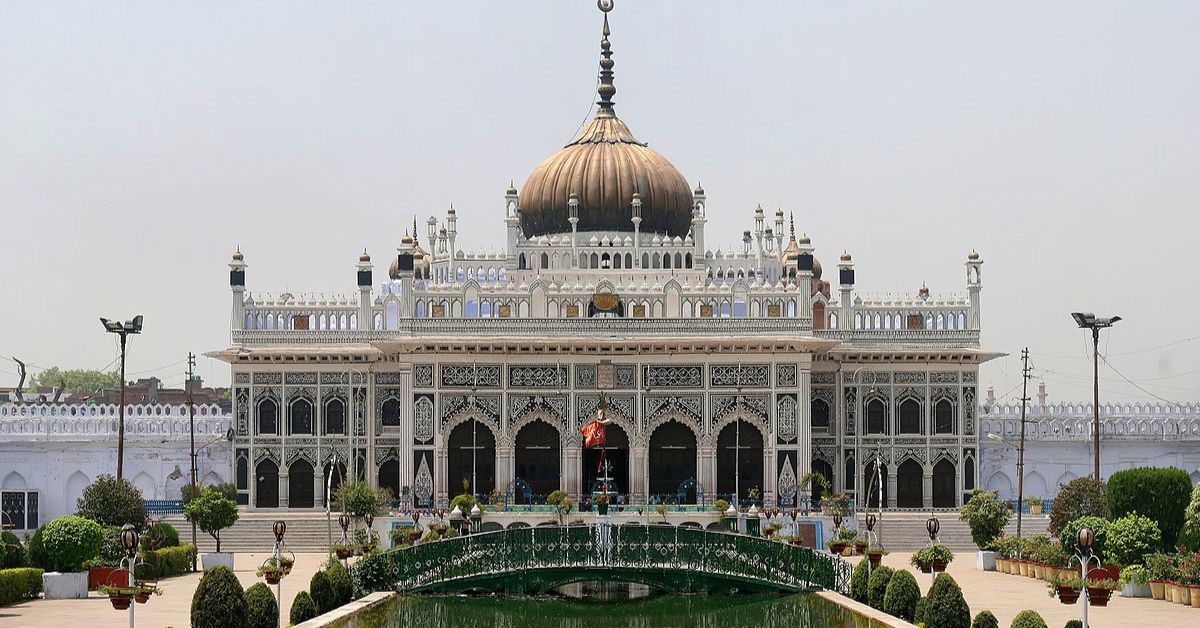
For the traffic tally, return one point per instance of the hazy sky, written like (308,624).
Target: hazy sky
(141,141)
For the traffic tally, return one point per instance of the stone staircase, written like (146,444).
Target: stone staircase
(905,531)
(306,532)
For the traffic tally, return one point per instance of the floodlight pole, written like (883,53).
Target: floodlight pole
(121,423)
(1095,407)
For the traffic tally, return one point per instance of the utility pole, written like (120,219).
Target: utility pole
(1021,448)
(191,374)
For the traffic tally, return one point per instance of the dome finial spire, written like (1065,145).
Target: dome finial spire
(606,88)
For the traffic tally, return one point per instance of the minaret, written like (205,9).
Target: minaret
(636,210)
(846,288)
(404,274)
(804,276)
(365,320)
(512,221)
(974,285)
(237,283)
(431,229)
(698,220)
(452,230)
(573,210)
(779,229)
(759,231)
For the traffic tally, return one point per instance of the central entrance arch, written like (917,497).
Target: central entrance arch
(266,484)
(616,457)
(300,484)
(672,459)
(537,458)
(910,491)
(739,460)
(471,452)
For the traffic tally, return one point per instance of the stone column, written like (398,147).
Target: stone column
(638,478)
(440,477)
(770,477)
(804,418)
(283,486)
(891,487)
(505,465)
(706,471)
(571,470)
(927,488)
(404,450)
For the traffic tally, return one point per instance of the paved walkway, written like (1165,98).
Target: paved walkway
(1006,595)
(172,608)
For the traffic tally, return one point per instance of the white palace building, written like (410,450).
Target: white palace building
(724,371)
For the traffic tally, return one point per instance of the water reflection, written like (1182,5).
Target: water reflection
(654,611)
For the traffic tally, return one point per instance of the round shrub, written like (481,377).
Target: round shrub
(219,601)
(921,612)
(1160,494)
(261,609)
(160,535)
(1189,535)
(900,599)
(946,607)
(985,619)
(321,591)
(1069,537)
(339,582)
(303,608)
(1081,497)
(1074,623)
(877,586)
(70,541)
(1028,619)
(35,550)
(858,581)
(112,502)
(1131,538)
(986,515)
(12,553)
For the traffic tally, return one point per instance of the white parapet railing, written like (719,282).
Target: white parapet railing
(100,421)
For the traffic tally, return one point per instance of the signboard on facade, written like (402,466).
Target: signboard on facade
(439,311)
(505,311)
(706,311)
(300,321)
(773,310)
(572,311)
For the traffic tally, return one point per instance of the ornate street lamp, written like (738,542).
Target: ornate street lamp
(870,521)
(932,526)
(279,528)
(129,541)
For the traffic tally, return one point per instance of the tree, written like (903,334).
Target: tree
(75,381)
(1081,497)
(1131,538)
(112,502)
(1069,537)
(70,541)
(985,619)
(986,516)
(212,512)
(219,601)
(339,582)
(356,498)
(946,607)
(322,593)
(1189,536)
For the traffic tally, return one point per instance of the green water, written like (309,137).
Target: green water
(660,611)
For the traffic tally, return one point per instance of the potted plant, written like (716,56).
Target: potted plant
(343,550)
(842,541)
(1035,504)
(986,515)
(836,505)
(1099,591)
(143,591)
(860,546)
(69,542)
(212,512)
(1066,588)
(932,559)
(1134,581)
(875,555)
(1157,567)
(602,500)
(288,561)
(119,596)
(271,570)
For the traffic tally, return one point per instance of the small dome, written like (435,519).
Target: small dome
(973,256)
(512,189)
(804,239)
(699,190)
(364,258)
(845,256)
(237,255)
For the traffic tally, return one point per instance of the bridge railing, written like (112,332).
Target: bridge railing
(676,558)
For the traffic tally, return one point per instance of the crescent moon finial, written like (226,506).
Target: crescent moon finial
(605,5)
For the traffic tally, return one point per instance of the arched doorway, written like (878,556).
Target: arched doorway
(672,459)
(471,453)
(943,484)
(537,458)
(266,485)
(875,482)
(616,458)
(300,484)
(739,460)
(330,484)
(826,470)
(389,477)
(909,489)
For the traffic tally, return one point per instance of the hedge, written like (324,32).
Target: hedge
(877,586)
(946,607)
(985,619)
(160,535)
(219,601)
(900,599)
(303,608)
(261,609)
(35,550)
(1028,619)
(1161,494)
(170,561)
(19,584)
(858,581)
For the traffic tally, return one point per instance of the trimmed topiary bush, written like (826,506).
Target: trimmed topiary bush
(1161,494)
(70,541)
(170,561)
(19,584)
(339,582)
(219,601)
(986,515)
(303,608)
(922,608)
(1028,619)
(900,599)
(261,609)
(946,607)
(12,552)
(1074,623)
(985,619)
(1081,497)
(321,591)
(112,502)
(1131,538)
(1069,537)
(858,581)
(877,586)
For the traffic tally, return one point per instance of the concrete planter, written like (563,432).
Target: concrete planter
(213,559)
(985,561)
(1134,590)
(65,586)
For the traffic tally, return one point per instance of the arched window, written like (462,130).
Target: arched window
(629,260)
(678,260)
(876,417)
(606,261)
(242,475)
(687,260)
(910,417)
(820,415)
(943,417)
(645,260)
(390,413)
(521,262)
(335,416)
(459,274)
(666,260)
(616,261)
(268,417)
(300,417)
(595,261)
(545,261)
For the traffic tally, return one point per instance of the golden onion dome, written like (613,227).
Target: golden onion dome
(604,166)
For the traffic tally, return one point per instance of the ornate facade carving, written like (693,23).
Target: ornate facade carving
(423,376)
(691,376)
(786,417)
(785,376)
(471,375)
(423,419)
(537,376)
(740,375)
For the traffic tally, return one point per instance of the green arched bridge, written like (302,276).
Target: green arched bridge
(535,560)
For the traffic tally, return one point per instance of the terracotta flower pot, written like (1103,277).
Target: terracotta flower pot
(344,553)
(875,559)
(1068,595)
(1158,589)
(1098,596)
(925,568)
(939,566)
(1194,590)
(120,602)
(273,578)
